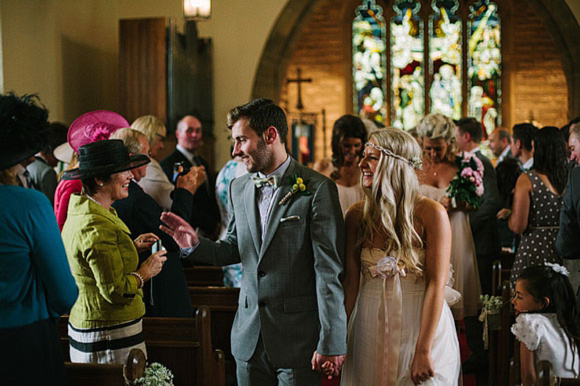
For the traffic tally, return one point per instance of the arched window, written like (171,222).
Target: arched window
(443,56)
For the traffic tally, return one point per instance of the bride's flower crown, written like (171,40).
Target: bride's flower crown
(414,162)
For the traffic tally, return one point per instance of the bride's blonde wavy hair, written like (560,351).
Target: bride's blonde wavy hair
(390,203)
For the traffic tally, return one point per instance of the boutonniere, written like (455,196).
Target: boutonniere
(298,186)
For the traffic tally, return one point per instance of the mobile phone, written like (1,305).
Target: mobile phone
(156,247)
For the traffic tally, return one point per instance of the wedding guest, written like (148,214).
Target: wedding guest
(234,168)
(42,171)
(547,323)
(483,222)
(349,135)
(105,322)
(537,202)
(401,330)
(522,145)
(155,183)
(36,285)
(90,127)
(166,295)
(437,134)
(205,214)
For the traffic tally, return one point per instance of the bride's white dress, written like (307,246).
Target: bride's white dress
(463,257)
(384,327)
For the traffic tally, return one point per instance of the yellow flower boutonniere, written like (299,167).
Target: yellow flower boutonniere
(298,186)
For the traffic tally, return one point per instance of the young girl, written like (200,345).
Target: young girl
(547,322)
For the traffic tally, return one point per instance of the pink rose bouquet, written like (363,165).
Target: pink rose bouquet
(467,185)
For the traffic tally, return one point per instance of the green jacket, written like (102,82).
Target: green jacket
(101,255)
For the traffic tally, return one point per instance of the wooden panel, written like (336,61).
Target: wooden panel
(143,67)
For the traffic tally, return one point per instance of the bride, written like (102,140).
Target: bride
(401,330)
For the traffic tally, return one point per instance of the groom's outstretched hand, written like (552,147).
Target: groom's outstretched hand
(330,365)
(176,227)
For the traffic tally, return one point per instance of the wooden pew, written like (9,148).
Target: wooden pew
(223,303)
(204,276)
(545,378)
(183,345)
(90,374)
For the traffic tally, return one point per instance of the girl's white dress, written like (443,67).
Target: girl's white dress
(542,333)
(463,258)
(384,327)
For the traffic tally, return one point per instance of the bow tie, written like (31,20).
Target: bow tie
(266,181)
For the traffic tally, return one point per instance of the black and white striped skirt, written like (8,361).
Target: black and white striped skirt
(110,344)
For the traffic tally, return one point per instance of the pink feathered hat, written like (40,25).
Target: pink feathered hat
(94,126)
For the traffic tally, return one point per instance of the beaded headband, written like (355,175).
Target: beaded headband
(415,162)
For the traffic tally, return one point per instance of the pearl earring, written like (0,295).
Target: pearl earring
(101,184)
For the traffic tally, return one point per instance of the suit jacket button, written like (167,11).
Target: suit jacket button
(262,304)
(261,273)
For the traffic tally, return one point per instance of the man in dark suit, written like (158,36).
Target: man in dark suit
(484,229)
(286,228)
(499,143)
(205,213)
(166,295)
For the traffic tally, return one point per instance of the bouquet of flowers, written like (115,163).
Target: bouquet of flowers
(156,375)
(467,185)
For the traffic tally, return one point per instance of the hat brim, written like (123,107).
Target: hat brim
(11,158)
(63,153)
(134,162)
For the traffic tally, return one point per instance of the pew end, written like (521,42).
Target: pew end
(91,374)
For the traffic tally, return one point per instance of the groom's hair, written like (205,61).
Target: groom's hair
(261,113)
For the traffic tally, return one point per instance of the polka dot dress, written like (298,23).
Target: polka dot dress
(537,244)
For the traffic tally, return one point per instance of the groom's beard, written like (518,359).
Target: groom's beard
(261,158)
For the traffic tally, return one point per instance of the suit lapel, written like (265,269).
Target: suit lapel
(278,210)
(253,214)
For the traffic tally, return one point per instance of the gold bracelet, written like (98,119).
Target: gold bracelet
(138,276)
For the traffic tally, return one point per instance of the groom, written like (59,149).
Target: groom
(286,228)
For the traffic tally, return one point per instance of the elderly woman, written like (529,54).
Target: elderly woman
(36,285)
(155,182)
(105,322)
(167,295)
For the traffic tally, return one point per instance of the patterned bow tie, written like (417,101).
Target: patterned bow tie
(260,182)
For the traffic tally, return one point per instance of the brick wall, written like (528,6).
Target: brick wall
(536,83)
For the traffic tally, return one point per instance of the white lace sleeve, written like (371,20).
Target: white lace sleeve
(528,329)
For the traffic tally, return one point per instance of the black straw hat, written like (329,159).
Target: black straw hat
(104,158)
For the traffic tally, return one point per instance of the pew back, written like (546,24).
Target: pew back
(90,374)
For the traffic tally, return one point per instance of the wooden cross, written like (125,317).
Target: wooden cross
(299,80)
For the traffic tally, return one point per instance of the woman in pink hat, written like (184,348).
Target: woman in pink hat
(90,127)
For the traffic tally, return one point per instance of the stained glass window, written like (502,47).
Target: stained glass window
(431,67)
(369,61)
(445,57)
(484,61)
(407,60)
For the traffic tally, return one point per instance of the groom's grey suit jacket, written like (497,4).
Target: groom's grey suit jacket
(291,292)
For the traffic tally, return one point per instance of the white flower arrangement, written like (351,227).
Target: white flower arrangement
(491,303)
(156,375)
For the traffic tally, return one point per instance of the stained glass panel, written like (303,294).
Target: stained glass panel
(407,65)
(445,57)
(369,61)
(484,64)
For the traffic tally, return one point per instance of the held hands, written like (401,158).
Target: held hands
(152,266)
(192,180)
(176,227)
(145,241)
(504,214)
(422,368)
(329,365)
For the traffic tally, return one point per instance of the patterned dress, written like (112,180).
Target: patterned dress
(537,244)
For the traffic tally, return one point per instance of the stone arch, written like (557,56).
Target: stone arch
(555,14)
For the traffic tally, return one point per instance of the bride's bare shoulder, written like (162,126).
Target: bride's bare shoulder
(354,213)
(429,211)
